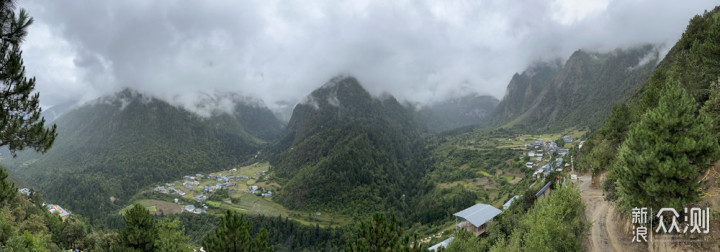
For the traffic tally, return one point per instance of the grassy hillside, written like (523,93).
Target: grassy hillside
(108,150)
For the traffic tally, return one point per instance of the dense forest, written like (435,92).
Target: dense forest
(110,148)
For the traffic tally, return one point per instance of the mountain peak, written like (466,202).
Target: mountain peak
(337,92)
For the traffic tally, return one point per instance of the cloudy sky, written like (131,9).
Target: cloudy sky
(279,51)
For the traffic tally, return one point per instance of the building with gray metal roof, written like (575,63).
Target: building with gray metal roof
(476,218)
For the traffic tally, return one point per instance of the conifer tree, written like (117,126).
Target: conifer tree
(20,122)
(710,51)
(171,236)
(7,188)
(233,234)
(139,233)
(382,234)
(665,152)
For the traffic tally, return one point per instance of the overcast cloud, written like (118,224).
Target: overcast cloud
(279,51)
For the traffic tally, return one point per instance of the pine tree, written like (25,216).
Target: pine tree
(20,122)
(382,234)
(139,233)
(233,234)
(7,188)
(710,51)
(171,236)
(665,152)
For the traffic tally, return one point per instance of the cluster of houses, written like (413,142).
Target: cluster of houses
(255,189)
(52,208)
(169,190)
(195,210)
(539,149)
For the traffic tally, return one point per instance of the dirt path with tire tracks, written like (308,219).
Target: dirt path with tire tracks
(603,235)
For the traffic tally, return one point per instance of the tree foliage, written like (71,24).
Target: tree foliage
(555,223)
(139,232)
(233,234)
(665,153)
(171,236)
(21,124)
(382,234)
(7,188)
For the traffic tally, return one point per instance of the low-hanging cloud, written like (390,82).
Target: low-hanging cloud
(279,51)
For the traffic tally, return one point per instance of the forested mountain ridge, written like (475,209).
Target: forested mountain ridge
(580,93)
(110,148)
(468,110)
(523,90)
(692,62)
(345,150)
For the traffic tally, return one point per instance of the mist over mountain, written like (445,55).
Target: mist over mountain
(453,113)
(579,93)
(110,148)
(344,145)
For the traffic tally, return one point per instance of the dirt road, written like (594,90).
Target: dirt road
(603,235)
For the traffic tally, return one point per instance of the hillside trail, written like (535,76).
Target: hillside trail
(604,234)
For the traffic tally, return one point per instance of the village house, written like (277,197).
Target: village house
(545,191)
(537,173)
(529,164)
(531,153)
(509,202)
(55,209)
(475,218)
(179,192)
(567,139)
(161,189)
(563,152)
(442,244)
(200,198)
(24,191)
(267,194)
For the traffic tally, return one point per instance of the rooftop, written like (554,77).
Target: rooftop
(509,202)
(543,189)
(478,214)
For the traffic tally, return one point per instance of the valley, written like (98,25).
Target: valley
(221,142)
(246,189)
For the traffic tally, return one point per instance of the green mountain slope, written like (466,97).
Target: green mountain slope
(345,150)
(580,94)
(523,90)
(692,61)
(455,113)
(109,149)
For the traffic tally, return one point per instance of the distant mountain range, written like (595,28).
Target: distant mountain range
(468,110)
(580,93)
